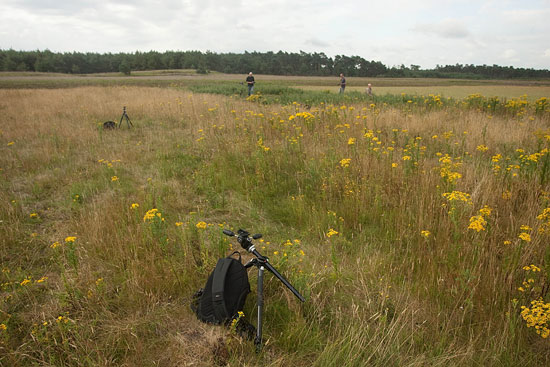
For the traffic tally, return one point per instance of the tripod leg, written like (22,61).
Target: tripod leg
(258,340)
(127,119)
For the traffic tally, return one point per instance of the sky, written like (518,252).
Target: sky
(395,32)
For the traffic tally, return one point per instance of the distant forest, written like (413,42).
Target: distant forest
(279,63)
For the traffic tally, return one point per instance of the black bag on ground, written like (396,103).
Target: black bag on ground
(225,292)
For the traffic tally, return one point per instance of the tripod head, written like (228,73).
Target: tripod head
(244,239)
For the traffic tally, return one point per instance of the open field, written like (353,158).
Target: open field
(532,92)
(456,88)
(417,230)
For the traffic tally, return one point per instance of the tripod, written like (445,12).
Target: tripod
(125,117)
(262,263)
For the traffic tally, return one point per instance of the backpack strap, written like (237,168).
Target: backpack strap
(235,252)
(218,285)
(196,300)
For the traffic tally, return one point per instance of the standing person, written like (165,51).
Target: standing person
(369,89)
(250,82)
(342,83)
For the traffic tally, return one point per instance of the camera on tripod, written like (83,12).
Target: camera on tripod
(262,263)
(126,118)
(222,298)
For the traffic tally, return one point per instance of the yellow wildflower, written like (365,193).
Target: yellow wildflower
(538,316)
(345,162)
(545,215)
(151,214)
(457,196)
(532,268)
(331,232)
(485,211)
(25,281)
(525,236)
(477,223)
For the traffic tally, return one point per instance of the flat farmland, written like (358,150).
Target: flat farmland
(455,88)
(530,91)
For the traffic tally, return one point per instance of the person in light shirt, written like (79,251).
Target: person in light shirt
(342,83)
(250,82)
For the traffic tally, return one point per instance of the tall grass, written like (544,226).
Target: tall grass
(354,201)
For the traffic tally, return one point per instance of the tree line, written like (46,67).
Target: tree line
(279,63)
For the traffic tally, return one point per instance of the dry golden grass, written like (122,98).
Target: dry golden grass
(378,292)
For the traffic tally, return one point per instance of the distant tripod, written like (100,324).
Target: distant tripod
(125,117)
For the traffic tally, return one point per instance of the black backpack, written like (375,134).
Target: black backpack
(224,294)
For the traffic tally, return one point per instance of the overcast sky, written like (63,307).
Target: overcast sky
(395,32)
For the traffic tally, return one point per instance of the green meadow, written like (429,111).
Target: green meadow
(415,222)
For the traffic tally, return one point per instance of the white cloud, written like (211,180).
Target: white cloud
(509,54)
(394,32)
(315,42)
(446,28)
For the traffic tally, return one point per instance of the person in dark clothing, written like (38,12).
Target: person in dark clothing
(342,83)
(250,82)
